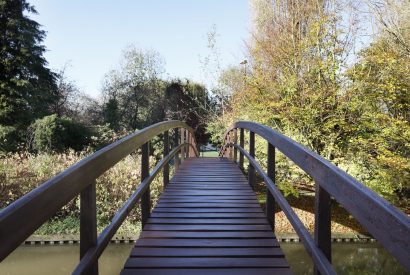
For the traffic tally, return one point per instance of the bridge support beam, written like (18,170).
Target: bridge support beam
(176,143)
(88,223)
(323,222)
(270,200)
(146,197)
(235,141)
(165,170)
(251,169)
(242,144)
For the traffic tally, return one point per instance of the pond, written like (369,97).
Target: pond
(348,258)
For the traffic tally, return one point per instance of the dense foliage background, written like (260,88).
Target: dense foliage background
(303,78)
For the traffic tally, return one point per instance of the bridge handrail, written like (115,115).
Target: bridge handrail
(104,238)
(387,224)
(21,218)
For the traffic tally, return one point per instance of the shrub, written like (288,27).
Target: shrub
(7,138)
(53,133)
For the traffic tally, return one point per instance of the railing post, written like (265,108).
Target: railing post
(323,222)
(270,201)
(166,166)
(235,141)
(182,141)
(146,197)
(242,144)
(186,141)
(88,223)
(176,158)
(190,152)
(230,148)
(251,169)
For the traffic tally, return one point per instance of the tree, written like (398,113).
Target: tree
(377,108)
(66,96)
(190,102)
(132,93)
(27,86)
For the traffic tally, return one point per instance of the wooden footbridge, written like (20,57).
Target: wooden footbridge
(207,220)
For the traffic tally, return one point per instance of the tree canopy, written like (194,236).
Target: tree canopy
(27,86)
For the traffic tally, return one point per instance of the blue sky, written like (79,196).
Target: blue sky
(89,36)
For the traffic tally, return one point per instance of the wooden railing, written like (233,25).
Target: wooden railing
(383,221)
(21,218)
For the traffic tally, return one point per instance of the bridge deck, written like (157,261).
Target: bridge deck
(207,221)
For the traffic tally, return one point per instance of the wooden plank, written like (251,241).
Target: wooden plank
(202,205)
(205,221)
(207,210)
(207,242)
(387,224)
(200,200)
(207,235)
(208,215)
(208,271)
(237,197)
(210,192)
(164,262)
(207,227)
(206,252)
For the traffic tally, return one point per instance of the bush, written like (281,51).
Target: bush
(53,133)
(7,138)
(22,172)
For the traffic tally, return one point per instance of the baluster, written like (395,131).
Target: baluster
(251,169)
(88,223)
(270,200)
(235,141)
(166,152)
(176,158)
(146,197)
(189,141)
(186,141)
(242,144)
(230,148)
(182,141)
(323,222)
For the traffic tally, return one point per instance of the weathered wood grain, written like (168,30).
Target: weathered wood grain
(204,224)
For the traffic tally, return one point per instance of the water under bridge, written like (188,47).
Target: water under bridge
(207,220)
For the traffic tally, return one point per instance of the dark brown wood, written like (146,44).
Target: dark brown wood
(88,224)
(387,224)
(203,242)
(204,229)
(21,218)
(323,222)
(177,160)
(146,197)
(208,234)
(207,215)
(205,252)
(104,238)
(235,140)
(208,271)
(270,201)
(251,169)
(166,262)
(165,170)
(320,260)
(242,144)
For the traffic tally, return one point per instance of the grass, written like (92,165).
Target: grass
(209,154)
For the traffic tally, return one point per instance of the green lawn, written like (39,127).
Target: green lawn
(209,154)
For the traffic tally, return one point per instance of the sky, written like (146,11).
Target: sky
(88,37)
